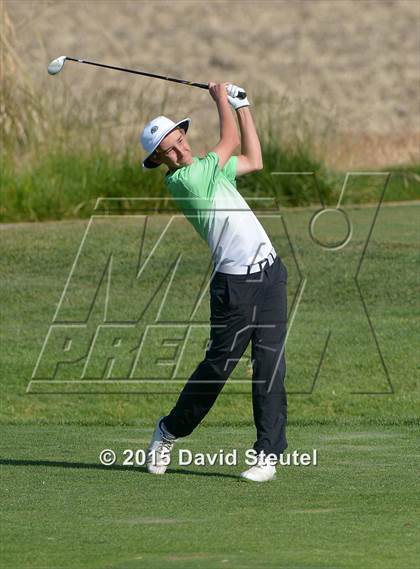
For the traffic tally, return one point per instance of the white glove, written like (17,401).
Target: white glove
(232,92)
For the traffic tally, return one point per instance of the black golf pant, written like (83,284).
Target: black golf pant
(244,308)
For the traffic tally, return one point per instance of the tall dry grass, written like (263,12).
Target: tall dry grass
(60,152)
(20,110)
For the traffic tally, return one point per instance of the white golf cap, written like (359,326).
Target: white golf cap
(155,131)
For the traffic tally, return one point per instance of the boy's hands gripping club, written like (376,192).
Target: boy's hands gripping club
(234,93)
(231,92)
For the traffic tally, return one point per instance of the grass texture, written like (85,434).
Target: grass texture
(62,508)
(59,153)
(70,291)
(64,184)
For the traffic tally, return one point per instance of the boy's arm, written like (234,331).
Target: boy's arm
(229,138)
(250,158)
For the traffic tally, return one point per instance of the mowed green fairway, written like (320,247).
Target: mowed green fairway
(351,345)
(356,509)
(353,402)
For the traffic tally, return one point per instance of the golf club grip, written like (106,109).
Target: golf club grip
(241,94)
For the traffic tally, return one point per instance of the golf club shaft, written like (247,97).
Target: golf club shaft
(241,95)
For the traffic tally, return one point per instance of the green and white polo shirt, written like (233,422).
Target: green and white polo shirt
(208,197)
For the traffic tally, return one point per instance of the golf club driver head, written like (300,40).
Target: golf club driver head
(56,65)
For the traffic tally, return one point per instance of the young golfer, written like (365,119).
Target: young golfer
(248,285)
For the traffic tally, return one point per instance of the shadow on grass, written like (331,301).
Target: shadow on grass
(62,464)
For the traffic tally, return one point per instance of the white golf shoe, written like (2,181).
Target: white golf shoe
(263,471)
(159,451)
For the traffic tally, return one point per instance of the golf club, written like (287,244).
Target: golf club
(57,65)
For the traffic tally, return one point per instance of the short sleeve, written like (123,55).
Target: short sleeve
(201,177)
(229,169)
